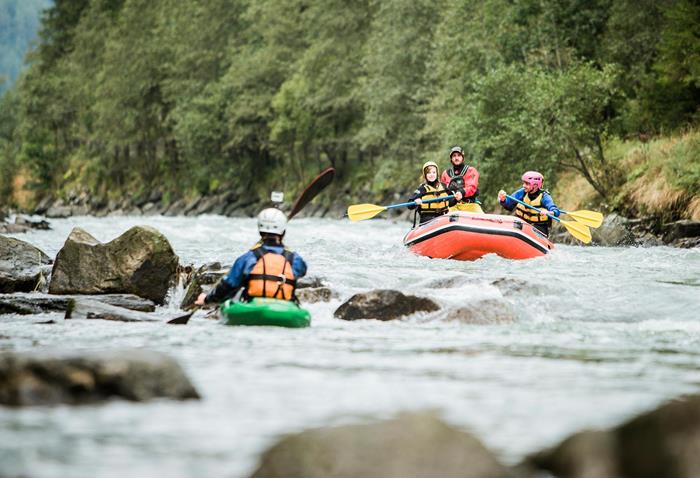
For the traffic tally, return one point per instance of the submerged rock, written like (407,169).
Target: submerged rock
(383,304)
(20,265)
(88,377)
(664,442)
(310,295)
(484,312)
(410,446)
(140,261)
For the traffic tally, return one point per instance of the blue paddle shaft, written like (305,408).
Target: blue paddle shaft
(443,198)
(533,207)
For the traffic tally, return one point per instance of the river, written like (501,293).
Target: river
(602,334)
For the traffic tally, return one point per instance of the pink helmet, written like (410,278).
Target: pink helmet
(533,178)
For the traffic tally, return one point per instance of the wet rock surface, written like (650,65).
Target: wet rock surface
(202,280)
(664,442)
(20,265)
(75,378)
(141,261)
(36,303)
(410,446)
(383,304)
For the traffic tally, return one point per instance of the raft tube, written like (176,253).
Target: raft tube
(260,311)
(467,236)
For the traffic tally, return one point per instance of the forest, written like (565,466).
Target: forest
(124,97)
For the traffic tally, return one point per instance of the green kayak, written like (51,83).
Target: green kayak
(260,311)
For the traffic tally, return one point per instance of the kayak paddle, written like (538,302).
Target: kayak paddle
(589,218)
(360,212)
(312,190)
(578,230)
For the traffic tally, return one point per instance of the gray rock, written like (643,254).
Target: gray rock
(39,303)
(383,304)
(140,261)
(208,274)
(20,265)
(83,308)
(87,377)
(484,312)
(410,446)
(664,442)
(615,231)
(310,295)
(588,454)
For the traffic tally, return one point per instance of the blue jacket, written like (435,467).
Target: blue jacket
(547,201)
(238,275)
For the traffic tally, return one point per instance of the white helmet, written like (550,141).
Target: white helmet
(272,220)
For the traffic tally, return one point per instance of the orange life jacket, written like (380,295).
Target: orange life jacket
(272,276)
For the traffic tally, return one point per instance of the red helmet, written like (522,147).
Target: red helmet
(534,179)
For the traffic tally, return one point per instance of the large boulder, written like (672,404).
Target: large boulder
(140,261)
(664,442)
(410,446)
(20,265)
(87,377)
(383,304)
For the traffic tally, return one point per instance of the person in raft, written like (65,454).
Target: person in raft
(461,178)
(431,188)
(267,270)
(532,194)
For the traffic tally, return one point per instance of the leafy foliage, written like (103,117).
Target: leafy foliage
(124,97)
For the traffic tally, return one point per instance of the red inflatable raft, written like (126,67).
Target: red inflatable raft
(467,236)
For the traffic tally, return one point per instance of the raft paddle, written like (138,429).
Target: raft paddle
(589,218)
(578,230)
(360,212)
(311,191)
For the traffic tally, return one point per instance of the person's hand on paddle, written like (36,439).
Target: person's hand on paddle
(501,195)
(200,299)
(458,195)
(418,201)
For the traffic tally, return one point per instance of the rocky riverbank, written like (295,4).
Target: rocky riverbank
(615,231)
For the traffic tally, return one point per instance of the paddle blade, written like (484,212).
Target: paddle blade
(312,190)
(578,230)
(360,212)
(589,218)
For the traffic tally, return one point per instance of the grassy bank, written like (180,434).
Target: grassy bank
(660,178)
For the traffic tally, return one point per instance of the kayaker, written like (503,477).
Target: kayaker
(431,188)
(533,194)
(462,178)
(267,270)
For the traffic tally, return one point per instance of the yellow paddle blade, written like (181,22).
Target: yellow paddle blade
(589,218)
(578,230)
(467,207)
(360,212)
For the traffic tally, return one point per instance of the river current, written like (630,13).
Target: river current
(601,335)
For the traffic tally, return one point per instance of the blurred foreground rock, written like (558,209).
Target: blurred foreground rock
(20,265)
(661,443)
(410,446)
(140,261)
(86,377)
(383,304)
